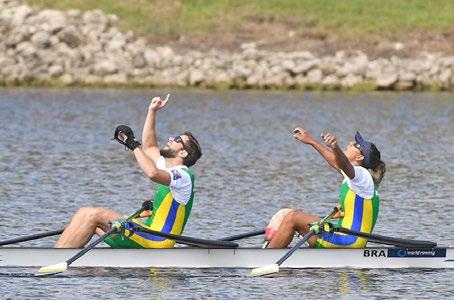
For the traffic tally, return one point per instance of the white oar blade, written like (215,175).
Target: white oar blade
(270,269)
(53,269)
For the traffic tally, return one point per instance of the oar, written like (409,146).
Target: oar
(243,235)
(186,240)
(269,269)
(61,267)
(376,238)
(31,237)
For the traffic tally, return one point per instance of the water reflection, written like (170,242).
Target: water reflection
(354,282)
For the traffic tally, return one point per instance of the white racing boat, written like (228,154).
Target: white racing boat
(224,253)
(189,257)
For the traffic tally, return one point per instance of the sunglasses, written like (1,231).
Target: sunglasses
(178,139)
(358,146)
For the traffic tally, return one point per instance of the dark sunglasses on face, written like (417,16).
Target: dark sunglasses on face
(179,139)
(358,146)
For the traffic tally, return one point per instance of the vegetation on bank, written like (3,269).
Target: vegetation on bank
(353,18)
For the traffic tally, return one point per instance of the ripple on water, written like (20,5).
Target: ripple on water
(57,157)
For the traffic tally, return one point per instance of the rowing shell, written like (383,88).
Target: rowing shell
(186,257)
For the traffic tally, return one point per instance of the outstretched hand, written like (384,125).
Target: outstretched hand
(330,140)
(302,135)
(157,103)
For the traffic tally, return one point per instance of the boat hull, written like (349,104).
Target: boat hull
(231,258)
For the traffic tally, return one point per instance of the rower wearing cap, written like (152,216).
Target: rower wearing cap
(363,170)
(168,167)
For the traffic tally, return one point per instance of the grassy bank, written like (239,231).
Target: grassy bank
(353,18)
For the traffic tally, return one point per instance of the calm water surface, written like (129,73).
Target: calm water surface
(56,156)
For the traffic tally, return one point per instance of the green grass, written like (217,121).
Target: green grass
(340,17)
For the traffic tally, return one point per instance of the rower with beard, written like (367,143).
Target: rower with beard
(168,167)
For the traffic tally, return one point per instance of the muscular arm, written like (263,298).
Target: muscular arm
(149,167)
(326,154)
(149,140)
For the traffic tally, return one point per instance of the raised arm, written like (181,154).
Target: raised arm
(149,168)
(304,137)
(125,136)
(149,140)
(341,159)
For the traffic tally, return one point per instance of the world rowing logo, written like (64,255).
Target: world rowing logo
(437,252)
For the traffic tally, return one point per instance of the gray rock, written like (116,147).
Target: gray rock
(25,49)
(152,57)
(446,76)
(70,36)
(406,76)
(351,80)
(195,77)
(52,20)
(56,71)
(20,14)
(139,61)
(386,80)
(105,67)
(41,39)
(67,79)
(14,39)
(165,52)
(221,77)
(6,17)
(314,76)
(89,48)
(330,80)
(302,67)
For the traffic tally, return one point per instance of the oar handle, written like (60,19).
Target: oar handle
(31,237)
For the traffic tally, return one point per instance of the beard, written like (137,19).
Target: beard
(167,153)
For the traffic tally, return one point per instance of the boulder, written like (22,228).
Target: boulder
(71,36)
(105,67)
(52,20)
(20,14)
(386,80)
(195,77)
(56,71)
(41,39)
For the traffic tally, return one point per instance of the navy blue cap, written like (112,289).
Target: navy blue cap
(370,152)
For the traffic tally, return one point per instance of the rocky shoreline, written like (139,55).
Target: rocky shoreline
(66,48)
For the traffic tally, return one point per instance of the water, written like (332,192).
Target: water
(56,156)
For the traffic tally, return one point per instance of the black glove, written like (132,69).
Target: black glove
(147,205)
(124,135)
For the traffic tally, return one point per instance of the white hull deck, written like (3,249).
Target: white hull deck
(379,257)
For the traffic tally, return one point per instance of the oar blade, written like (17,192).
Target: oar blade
(266,270)
(52,269)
